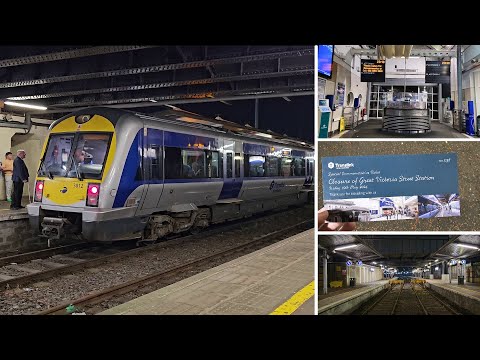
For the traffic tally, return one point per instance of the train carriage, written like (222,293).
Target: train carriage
(111,174)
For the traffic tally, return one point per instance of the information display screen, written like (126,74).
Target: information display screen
(437,72)
(373,71)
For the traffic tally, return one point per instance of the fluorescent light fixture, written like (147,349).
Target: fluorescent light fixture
(346,247)
(462,245)
(374,263)
(28,106)
(436,260)
(153,100)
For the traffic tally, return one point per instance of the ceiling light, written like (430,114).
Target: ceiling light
(462,245)
(346,247)
(374,263)
(436,260)
(153,100)
(28,106)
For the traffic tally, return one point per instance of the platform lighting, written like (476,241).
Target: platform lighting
(436,260)
(374,263)
(28,106)
(346,247)
(462,245)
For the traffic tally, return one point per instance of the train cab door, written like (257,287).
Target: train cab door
(232,170)
(153,169)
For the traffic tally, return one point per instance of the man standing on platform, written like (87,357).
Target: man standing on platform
(20,177)
(8,172)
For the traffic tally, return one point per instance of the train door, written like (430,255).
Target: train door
(153,168)
(232,169)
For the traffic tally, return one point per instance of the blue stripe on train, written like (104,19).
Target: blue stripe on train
(230,189)
(127,181)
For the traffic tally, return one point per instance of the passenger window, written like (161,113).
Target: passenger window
(229,165)
(155,157)
(237,164)
(299,168)
(287,169)
(194,164)
(272,166)
(213,167)
(254,166)
(173,163)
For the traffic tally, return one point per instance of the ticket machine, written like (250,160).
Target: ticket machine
(324,117)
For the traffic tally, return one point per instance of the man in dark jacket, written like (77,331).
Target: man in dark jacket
(20,177)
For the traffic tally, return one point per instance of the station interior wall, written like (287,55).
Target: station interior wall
(13,139)
(339,271)
(346,74)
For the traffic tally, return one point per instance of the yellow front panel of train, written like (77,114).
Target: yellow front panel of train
(65,191)
(70,191)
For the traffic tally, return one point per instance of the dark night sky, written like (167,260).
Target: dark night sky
(294,118)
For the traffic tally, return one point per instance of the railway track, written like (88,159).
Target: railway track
(408,299)
(165,277)
(26,276)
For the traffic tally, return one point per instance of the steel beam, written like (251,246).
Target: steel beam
(158,68)
(69,54)
(145,103)
(164,85)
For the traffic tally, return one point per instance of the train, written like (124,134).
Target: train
(108,174)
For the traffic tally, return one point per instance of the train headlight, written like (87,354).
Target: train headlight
(39,190)
(93,191)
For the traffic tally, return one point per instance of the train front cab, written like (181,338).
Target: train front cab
(76,158)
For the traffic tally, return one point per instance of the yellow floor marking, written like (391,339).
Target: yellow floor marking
(292,304)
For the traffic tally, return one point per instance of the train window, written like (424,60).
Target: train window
(237,164)
(299,166)
(254,166)
(56,156)
(213,164)
(194,164)
(173,163)
(286,167)
(229,165)
(155,157)
(272,166)
(90,155)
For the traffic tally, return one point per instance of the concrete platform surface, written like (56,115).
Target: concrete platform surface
(347,300)
(278,278)
(465,296)
(7,214)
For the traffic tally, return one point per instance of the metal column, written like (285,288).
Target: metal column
(369,92)
(459,76)
(440,103)
(256,113)
(325,280)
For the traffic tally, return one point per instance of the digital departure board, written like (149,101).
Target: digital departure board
(373,71)
(437,72)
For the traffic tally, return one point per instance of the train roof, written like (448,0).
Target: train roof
(187,118)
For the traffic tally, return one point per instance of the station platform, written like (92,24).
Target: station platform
(5,208)
(465,296)
(344,300)
(373,129)
(277,280)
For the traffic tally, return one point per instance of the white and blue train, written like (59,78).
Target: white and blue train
(110,174)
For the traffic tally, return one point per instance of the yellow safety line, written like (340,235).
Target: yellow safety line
(292,304)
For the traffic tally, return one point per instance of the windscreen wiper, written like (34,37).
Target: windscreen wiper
(79,174)
(45,170)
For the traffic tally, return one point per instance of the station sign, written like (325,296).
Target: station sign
(359,262)
(464,261)
(349,263)
(372,71)
(437,72)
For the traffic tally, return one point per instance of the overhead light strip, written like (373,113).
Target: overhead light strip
(27,106)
